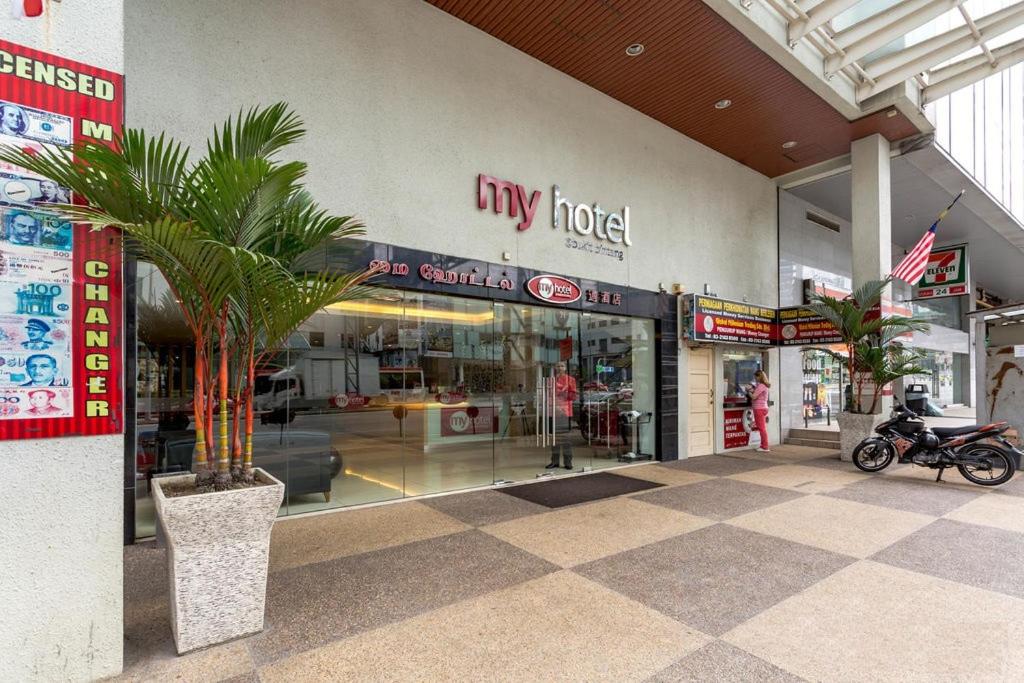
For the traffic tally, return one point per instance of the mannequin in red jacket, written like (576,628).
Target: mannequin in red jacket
(561,422)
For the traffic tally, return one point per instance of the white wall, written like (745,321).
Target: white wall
(61,501)
(405,105)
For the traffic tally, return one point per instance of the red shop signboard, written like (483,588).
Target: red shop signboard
(61,346)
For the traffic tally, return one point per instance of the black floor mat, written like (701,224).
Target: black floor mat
(572,490)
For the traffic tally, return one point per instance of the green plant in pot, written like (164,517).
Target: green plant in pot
(232,233)
(874,358)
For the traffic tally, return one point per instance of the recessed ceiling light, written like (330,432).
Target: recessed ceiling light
(635,49)
(723,104)
(789,144)
(891,113)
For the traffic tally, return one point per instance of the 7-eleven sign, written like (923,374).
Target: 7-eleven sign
(946,273)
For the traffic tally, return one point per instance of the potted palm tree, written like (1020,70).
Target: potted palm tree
(874,358)
(231,232)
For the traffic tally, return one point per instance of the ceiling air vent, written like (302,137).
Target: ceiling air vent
(822,221)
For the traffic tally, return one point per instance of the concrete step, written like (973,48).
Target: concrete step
(815,443)
(819,434)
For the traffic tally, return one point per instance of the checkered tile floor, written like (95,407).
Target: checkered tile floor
(793,566)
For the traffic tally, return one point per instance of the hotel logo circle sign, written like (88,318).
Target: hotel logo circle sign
(579,219)
(553,289)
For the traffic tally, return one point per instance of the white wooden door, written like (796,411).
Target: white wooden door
(701,422)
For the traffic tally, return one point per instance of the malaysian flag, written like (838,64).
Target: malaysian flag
(911,268)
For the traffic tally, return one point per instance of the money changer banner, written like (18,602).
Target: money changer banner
(61,347)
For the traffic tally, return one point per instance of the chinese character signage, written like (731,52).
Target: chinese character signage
(60,284)
(945,274)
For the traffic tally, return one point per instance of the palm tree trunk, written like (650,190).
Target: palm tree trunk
(224,460)
(250,390)
(199,408)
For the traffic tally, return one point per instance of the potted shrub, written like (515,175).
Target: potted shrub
(874,358)
(230,233)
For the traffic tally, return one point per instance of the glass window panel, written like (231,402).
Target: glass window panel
(450,375)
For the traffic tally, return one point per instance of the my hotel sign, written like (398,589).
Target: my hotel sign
(580,219)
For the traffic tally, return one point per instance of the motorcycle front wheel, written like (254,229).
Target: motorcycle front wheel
(990,466)
(873,455)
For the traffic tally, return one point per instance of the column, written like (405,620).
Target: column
(871,216)
(872,199)
(61,538)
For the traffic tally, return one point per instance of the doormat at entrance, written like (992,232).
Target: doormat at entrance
(562,492)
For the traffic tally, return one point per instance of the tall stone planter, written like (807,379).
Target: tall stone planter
(218,550)
(854,428)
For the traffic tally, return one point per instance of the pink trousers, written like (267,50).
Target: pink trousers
(761,420)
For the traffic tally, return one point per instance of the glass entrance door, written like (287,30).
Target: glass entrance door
(539,391)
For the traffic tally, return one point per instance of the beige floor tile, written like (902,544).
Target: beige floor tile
(1002,512)
(801,478)
(214,664)
(663,475)
(579,534)
(559,627)
(873,622)
(841,526)
(296,542)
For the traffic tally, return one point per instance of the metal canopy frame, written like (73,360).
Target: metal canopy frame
(844,51)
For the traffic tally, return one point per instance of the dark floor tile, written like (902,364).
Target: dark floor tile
(251,677)
(147,623)
(1014,487)
(723,663)
(980,556)
(715,578)
(831,463)
(718,465)
(575,490)
(912,495)
(480,508)
(719,499)
(315,604)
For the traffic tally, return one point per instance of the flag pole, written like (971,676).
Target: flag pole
(913,265)
(942,214)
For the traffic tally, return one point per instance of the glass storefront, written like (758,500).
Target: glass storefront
(824,381)
(410,393)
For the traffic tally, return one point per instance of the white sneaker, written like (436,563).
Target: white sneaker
(763,450)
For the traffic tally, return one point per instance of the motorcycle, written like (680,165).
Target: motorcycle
(905,438)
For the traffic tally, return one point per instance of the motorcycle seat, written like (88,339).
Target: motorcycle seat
(946,432)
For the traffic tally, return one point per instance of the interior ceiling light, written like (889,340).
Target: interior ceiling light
(789,144)
(635,49)
(1019,311)
(723,104)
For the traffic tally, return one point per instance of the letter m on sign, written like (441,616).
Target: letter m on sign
(485,182)
(97,131)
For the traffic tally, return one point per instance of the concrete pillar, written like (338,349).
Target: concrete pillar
(871,215)
(872,200)
(61,537)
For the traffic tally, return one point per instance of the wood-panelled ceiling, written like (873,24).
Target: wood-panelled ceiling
(692,59)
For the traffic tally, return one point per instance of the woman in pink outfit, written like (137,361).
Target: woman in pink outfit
(759,401)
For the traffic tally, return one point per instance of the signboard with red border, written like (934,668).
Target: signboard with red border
(720,320)
(946,273)
(61,331)
(798,325)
